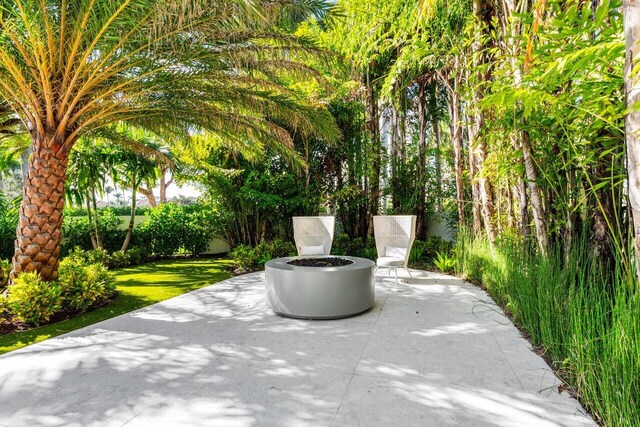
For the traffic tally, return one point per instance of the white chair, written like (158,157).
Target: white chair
(313,234)
(394,238)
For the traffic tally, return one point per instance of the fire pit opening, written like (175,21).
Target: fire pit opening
(320,262)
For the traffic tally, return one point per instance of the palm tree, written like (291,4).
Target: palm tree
(132,167)
(88,168)
(74,67)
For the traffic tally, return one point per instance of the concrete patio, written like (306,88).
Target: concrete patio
(433,352)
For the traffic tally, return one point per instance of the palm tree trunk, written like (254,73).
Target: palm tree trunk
(631,13)
(132,217)
(39,232)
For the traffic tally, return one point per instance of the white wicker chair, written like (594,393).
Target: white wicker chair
(394,238)
(313,234)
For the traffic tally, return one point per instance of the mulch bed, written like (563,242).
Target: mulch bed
(9,324)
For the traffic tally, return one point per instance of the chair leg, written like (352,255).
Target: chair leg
(395,270)
(408,271)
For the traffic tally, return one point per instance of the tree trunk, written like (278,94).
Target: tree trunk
(395,138)
(422,148)
(486,191)
(164,184)
(132,217)
(478,148)
(539,219)
(96,218)
(475,189)
(631,13)
(92,231)
(485,14)
(524,208)
(39,232)
(438,164)
(456,139)
(376,160)
(148,193)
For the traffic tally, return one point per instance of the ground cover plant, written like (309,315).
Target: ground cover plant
(136,287)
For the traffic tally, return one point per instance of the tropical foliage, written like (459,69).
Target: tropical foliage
(70,69)
(512,123)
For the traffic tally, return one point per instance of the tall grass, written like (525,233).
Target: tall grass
(585,316)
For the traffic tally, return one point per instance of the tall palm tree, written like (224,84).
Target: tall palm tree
(71,67)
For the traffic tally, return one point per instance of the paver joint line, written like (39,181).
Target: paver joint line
(384,301)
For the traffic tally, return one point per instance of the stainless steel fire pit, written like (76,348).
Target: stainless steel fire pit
(320,292)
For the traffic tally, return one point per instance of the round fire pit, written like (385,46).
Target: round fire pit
(323,287)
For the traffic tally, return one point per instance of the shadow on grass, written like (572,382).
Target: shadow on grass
(138,287)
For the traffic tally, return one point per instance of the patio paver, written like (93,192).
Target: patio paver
(434,352)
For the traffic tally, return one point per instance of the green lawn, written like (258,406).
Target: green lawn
(138,287)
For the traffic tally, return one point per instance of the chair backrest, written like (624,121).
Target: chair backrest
(394,231)
(313,231)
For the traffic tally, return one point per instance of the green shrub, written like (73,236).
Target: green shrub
(5,270)
(84,285)
(75,232)
(170,229)
(445,263)
(370,253)
(116,210)
(117,259)
(343,244)
(3,305)
(418,251)
(262,254)
(248,259)
(280,248)
(173,229)
(427,252)
(91,257)
(33,300)
(137,255)
(242,255)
